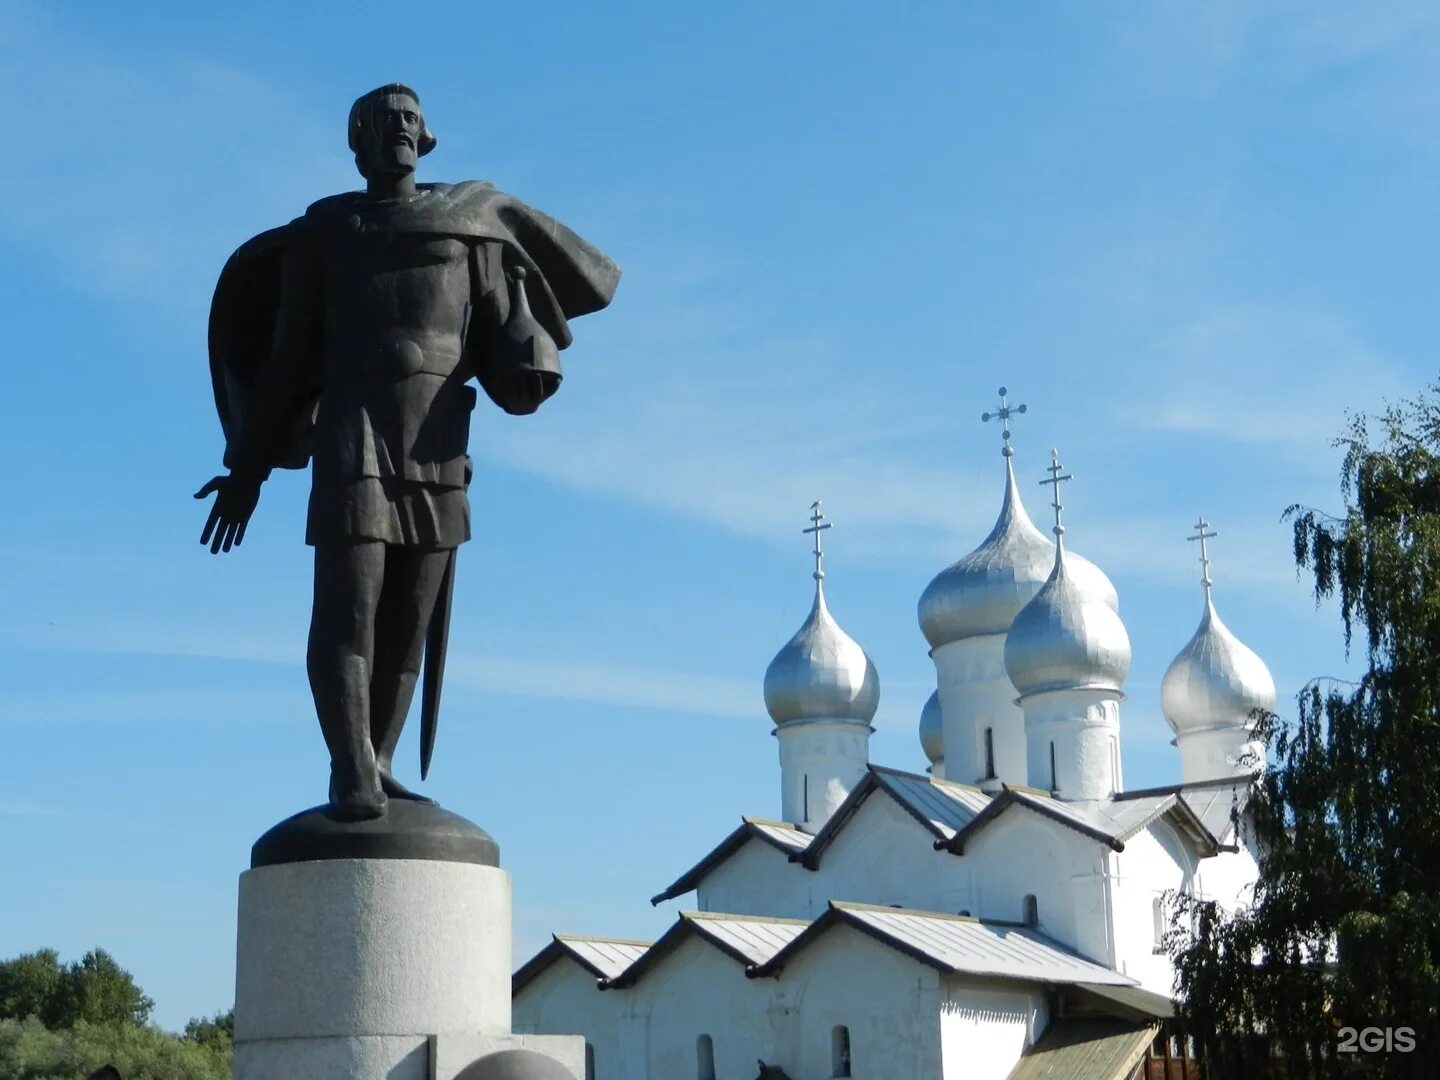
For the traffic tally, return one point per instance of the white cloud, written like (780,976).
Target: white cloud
(1262,375)
(153,167)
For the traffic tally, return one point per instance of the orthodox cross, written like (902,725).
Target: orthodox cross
(1057,477)
(1203,532)
(818,524)
(1003,414)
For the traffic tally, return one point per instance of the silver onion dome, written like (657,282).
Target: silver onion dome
(1216,680)
(821,673)
(984,591)
(932,735)
(1068,638)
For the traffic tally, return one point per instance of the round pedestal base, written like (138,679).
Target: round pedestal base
(344,967)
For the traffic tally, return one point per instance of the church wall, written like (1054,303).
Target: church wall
(889,1002)
(1022,853)
(1229,878)
(884,856)
(758,880)
(564,1000)
(976,693)
(985,1025)
(1155,860)
(698,990)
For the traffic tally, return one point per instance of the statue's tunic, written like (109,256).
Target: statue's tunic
(382,314)
(378,317)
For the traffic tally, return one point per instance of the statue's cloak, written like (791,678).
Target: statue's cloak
(566,277)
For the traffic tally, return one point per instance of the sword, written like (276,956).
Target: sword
(437,641)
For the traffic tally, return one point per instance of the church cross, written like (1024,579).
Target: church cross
(818,524)
(1003,414)
(1057,477)
(1203,532)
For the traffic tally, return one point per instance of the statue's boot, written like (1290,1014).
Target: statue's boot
(341,691)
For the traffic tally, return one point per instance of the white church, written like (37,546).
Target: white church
(998,916)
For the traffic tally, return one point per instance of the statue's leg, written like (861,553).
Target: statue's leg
(348,579)
(413,577)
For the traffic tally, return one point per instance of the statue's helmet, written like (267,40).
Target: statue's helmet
(362,116)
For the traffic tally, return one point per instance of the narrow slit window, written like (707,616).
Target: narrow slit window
(1054,784)
(589,1062)
(840,1052)
(705,1053)
(1032,910)
(989,753)
(805,797)
(1158,915)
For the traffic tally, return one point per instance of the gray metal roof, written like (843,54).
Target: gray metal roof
(1112,821)
(756,939)
(945,807)
(778,834)
(782,834)
(607,957)
(940,806)
(958,943)
(603,957)
(748,939)
(1214,805)
(1123,820)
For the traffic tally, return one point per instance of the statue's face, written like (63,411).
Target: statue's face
(391,134)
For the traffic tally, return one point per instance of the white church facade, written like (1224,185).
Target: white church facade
(998,916)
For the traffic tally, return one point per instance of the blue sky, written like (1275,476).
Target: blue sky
(1189,237)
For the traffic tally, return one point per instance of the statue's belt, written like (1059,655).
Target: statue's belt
(397,358)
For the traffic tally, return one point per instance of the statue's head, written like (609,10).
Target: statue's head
(388,132)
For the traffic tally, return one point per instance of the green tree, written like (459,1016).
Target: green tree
(32,985)
(95,989)
(31,1051)
(218,1032)
(1344,927)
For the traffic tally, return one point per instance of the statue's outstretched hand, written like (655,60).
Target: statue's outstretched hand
(235,499)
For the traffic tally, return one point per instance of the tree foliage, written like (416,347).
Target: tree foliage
(94,989)
(31,1051)
(218,1032)
(1344,928)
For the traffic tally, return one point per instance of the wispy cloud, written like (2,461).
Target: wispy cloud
(1262,374)
(547,678)
(1361,67)
(154,167)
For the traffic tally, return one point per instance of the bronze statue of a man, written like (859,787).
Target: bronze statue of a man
(349,337)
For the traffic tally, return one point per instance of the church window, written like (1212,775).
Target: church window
(1114,763)
(705,1051)
(805,797)
(1032,910)
(589,1062)
(989,753)
(1054,784)
(840,1051)
(1158,914)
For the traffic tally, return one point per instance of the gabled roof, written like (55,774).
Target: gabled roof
(603,957)
(1111,822)
(778,834)
(956,944)
(748,939)
(1216,803)
(940,806)
(1085,1050)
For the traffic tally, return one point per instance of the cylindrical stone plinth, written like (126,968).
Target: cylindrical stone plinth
(345,967)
